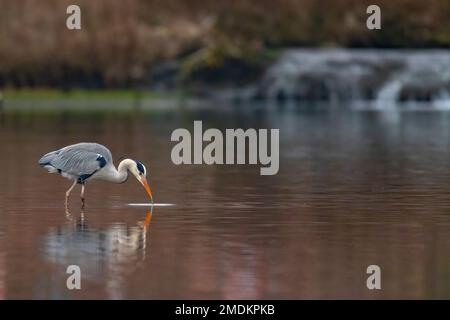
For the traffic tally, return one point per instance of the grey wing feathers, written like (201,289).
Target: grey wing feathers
(80,160)
(47,158)
(92,147)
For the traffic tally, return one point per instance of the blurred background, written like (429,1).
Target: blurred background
(364,148)
(202,46)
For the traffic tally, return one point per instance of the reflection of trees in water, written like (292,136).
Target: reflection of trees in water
(111,253)
(245,277)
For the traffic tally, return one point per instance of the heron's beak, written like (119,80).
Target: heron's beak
(147,187)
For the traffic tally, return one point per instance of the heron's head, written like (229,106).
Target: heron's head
(138,170)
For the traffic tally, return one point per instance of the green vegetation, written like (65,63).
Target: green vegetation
(124,43)
(80,94)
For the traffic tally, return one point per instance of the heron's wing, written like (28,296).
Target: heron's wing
(92,147)
(77,161)
(47,158)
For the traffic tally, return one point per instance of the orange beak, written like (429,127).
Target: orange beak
(147,188)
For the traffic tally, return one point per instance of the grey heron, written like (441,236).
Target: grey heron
(87,161)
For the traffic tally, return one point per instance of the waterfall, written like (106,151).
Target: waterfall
(383,76)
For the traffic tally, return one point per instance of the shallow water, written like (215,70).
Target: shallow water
(151,205)
(355,188)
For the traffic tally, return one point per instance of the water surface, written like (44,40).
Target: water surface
(355,188)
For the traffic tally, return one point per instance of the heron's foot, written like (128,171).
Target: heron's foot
(83,202)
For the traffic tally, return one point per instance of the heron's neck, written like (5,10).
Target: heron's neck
(121,174)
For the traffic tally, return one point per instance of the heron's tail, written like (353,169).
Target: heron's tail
(46,161)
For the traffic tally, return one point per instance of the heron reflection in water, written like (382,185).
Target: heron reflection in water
(106,255)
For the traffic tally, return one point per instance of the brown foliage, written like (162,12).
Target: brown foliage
(121,40)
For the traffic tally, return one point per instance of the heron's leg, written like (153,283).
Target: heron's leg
(82,194)
(68,215)
(68,193)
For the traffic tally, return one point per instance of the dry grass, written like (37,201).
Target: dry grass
(121,40)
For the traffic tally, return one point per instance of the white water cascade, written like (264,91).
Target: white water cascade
(385,77)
